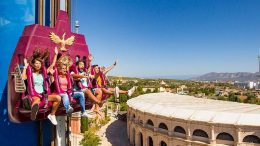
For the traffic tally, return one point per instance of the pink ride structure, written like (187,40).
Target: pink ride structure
(37,36)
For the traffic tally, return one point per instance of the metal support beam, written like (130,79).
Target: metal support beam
(68,131)
(61,131)
(40,133)
(53,135)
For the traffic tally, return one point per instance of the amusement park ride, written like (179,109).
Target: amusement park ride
(44,37)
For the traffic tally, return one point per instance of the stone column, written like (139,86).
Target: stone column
(137,138)
(145,138)
(131,135)
(156,141)
(238,138)
(128,129)
(188,134)
(212,136)
(75,123)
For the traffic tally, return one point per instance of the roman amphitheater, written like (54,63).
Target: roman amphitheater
(166,119)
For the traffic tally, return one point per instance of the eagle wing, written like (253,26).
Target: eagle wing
(56,39)
(70,40)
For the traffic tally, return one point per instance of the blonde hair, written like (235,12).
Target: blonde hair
(60,65)
(66,60)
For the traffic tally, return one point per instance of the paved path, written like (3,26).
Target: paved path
(114,133)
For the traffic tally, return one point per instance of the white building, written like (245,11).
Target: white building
(166,119)
(251,85)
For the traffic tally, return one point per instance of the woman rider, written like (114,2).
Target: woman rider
(36,62)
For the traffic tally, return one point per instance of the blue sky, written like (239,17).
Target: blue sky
(172,37)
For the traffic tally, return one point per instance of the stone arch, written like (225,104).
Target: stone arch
(200,133)
(150,122)
(225,136)
(150,141)
(163,126)
(162,143)
(179,129)
(133,116)
(141,139)
(251,139)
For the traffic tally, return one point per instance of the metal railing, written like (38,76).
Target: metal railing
(19,84)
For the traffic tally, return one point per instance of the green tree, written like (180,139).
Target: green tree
(123,106)
(156,90)
(84,124)
(148,91)
(123,98)
(251,98)
(90,138)
(232,97)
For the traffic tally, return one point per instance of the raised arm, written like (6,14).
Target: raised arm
(51,71)
(90,58)
(24,76)
(110,67)
(78,76)
(55,57)
(50,68)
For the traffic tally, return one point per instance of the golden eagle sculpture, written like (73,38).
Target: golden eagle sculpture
(62,42)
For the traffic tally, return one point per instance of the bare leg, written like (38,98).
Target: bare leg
(36,100)
(92,108)
(98,112)
(95,98)
(123,92)
(98,94)
(35,107)
(56,102)
(112,90)
(89,94)
(108,91)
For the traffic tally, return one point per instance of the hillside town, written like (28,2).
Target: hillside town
(246,92)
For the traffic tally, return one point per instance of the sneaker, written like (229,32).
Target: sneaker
(52,118)
(131,91)
(85,114)
(34,111)
(116,92)
(70,110)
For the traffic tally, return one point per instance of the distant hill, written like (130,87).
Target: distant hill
(239,76)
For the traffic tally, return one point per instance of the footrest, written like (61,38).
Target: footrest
(25,111)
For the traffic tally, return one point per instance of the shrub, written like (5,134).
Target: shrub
(90,138)
(84,124)
(123,106)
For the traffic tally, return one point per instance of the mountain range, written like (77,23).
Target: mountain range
(238,76)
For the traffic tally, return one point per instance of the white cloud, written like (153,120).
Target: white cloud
(3,21)
(28,17)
